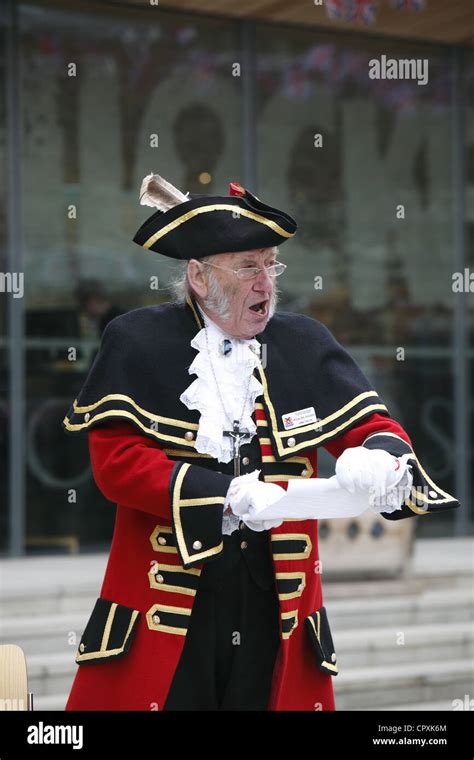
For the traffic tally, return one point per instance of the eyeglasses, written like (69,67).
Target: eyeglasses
(248,273)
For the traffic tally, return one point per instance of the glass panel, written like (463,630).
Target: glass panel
(155,91)
(108,97)
(469,177)
(4,422)
(365,167)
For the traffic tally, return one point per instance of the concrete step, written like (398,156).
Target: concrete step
(51,702)
(50,585)
(51,674)
(60,634)
(403,587)
(408,683)
(353,609)
(61,584)
(371,685)
(52,602)
(45,603)
(367,597)
(375,685)
(435,606)
(395,645)
(44,634)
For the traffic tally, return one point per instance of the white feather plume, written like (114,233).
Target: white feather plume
(159,193)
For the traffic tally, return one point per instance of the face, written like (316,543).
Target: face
(240,307)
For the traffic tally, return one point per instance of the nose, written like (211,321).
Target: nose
(263,283)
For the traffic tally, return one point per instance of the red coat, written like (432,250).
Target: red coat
(135,671)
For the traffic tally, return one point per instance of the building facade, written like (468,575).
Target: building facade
(378,172)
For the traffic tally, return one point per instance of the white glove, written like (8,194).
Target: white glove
(384,477)
(248,493)
(394,497)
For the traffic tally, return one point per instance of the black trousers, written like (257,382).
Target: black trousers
(233,636)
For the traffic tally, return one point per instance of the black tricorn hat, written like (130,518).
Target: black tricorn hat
(192,226)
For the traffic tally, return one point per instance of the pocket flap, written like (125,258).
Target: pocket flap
(109,632)
(317,625)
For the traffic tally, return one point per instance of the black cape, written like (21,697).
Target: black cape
(142,364)
(141,369)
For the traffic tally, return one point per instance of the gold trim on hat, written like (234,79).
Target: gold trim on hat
(215,207)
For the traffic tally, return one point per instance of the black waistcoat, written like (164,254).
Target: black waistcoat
(248,546)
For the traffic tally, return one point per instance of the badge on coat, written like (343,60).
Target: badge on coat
(299,418)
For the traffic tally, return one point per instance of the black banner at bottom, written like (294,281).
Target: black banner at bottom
(429,734)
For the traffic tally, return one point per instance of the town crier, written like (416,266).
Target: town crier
(204,417)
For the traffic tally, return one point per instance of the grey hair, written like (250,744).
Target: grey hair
(216,298)
(179,285)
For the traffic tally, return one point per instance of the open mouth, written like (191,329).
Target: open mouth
(260,308)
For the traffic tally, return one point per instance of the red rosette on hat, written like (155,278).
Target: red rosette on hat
(235,188)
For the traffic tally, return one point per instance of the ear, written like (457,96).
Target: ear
(197,277)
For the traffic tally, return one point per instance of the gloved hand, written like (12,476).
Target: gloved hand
(384,477)
(247,492)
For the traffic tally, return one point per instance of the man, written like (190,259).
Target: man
(204,417)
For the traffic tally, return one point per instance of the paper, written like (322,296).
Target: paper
(324,498)
(313,499)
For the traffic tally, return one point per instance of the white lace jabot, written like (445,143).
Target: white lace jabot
(232,373)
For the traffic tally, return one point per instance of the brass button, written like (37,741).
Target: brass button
(189,435)
(333,657)
(82,647)
(243,544)
(162,540)
(156,619)
(304,472)
(291,441)
(87,417)
(245,460)
(197,545)
(433,494)
(159,578)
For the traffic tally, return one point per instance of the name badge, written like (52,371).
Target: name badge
(299,418)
